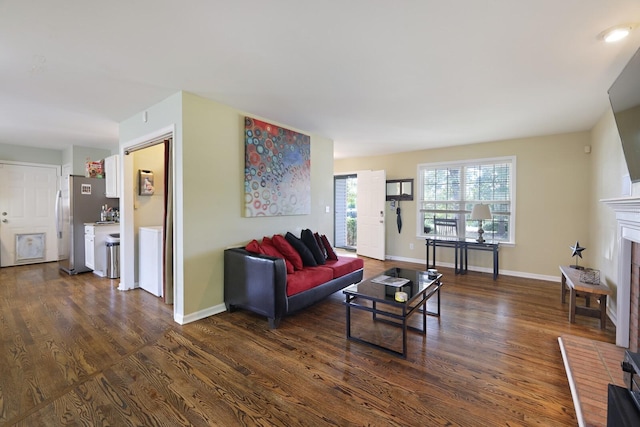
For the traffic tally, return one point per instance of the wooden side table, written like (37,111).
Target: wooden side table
(570,280)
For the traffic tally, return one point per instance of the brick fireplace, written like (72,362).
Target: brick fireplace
(628,284)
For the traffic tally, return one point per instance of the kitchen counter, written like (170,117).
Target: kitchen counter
(95,239)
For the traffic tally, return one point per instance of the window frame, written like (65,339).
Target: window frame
(461,212)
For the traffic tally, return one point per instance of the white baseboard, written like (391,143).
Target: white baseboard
(126,287)
(210,311)
(412,260)
(481,269)
(220,308)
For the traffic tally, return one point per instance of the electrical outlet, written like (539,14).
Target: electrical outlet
(411,246)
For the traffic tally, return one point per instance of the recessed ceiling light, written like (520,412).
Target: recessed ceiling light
(616,33)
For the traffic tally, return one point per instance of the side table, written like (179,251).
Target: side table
(570,280)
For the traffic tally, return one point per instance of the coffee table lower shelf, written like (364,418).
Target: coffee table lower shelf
(401,316)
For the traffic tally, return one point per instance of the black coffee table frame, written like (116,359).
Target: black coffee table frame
(416,303)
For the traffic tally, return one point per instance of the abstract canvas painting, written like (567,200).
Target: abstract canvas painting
(277,170)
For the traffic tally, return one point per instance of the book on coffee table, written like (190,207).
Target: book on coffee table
(390,281)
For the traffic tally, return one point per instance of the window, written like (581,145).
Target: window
(449,191)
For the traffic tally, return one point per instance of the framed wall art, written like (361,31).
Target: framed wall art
(277,170)
(145,183)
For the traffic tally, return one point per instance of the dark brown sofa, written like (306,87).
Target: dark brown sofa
(258,283)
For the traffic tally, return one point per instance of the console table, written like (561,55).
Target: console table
(461,248)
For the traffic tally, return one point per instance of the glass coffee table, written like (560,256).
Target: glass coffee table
(380,300)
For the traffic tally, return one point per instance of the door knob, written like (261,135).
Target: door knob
(4,214)
(5,220)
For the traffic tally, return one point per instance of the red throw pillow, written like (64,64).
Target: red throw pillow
(330,252)
(288,251)
(253,247)
(269,249)
(320,245)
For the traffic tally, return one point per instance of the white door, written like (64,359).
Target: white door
(27,214)
(370,207)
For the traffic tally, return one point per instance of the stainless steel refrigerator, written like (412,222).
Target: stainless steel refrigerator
(78,201)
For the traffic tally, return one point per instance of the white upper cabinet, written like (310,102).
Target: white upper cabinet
(112,175)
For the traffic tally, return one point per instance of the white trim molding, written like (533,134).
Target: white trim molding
(627,211)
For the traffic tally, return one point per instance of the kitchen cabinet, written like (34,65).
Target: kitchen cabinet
(89,251)
(112,176)
(95,248)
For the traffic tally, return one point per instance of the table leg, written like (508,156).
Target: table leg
(563,286)
(348,318)
(495,263)
(455,256)
(433,263)
(572,306)
(464,268)
(603,311)
(404,333)
(424,317)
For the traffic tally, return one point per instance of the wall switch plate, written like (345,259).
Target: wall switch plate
(327,209)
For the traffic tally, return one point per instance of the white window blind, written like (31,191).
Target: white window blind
(449,191)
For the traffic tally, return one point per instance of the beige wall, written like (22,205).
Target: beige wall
(209,174)
(552,200)
(557,199)
(213,160)
(607,168)
(149,210)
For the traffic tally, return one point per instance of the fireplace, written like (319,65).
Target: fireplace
(628,287)
(634,305)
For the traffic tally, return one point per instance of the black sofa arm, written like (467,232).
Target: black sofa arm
(256,283)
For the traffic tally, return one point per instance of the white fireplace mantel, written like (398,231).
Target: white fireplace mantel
(623,203)
(627,211)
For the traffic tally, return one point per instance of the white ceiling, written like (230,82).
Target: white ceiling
(376,76)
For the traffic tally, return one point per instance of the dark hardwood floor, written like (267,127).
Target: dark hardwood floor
(75,351)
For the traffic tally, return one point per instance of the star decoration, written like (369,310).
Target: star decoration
(577,249)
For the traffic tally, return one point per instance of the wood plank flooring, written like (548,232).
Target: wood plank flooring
(75,351)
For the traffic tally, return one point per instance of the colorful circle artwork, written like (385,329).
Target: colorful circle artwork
(277,170)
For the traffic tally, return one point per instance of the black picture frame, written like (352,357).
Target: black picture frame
(145,183)
(400,189)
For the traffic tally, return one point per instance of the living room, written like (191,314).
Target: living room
(561,176)
(551,164)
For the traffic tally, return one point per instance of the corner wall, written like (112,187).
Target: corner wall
(213,200)
(209,199)
(552,201)
(607,169)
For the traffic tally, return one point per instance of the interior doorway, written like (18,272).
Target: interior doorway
(150,157)
(345,211)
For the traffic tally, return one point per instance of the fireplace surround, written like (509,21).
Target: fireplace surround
(627,212)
